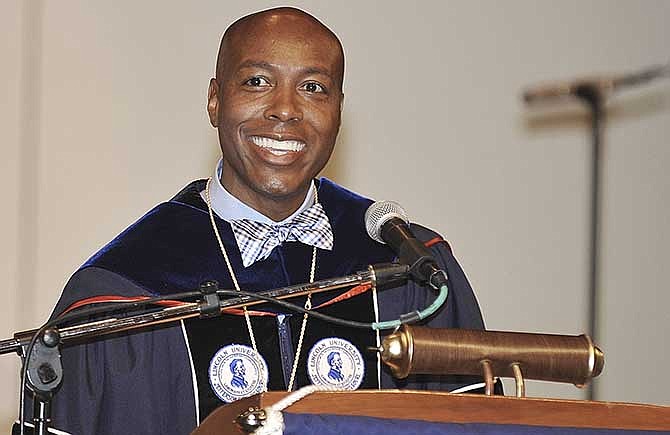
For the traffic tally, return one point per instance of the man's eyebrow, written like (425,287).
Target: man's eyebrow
(256,64)
(316,70)
(269,66)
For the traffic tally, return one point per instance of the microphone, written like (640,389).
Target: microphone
(387,222)
(602,85)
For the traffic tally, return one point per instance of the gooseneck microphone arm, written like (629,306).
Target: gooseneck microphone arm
(412,252)
(387,222)
(375,275)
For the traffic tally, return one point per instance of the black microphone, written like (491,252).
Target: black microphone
(603,85)
(387,222)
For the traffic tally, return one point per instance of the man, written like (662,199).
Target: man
(262,222)
(237,370)
(335,363)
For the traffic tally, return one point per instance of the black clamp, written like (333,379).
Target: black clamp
(45,371)
(209,306)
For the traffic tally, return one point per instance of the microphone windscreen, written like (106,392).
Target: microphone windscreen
(379,213)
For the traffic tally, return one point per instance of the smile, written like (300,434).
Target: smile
(278,147)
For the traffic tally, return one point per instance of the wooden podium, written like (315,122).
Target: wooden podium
(443,407)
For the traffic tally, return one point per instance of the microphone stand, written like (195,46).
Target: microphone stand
(594,99)
(45,371)
(593,93)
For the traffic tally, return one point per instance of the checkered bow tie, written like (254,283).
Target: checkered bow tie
(256,239)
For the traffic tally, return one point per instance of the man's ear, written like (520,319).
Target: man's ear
(339,121)
(213,102)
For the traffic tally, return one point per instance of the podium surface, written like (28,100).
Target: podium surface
(442,407)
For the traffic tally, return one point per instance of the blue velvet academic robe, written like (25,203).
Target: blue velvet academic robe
(143,382)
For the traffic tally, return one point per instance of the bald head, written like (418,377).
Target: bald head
(285,26)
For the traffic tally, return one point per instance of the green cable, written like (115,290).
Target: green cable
(437,303)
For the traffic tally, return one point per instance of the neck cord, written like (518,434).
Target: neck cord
(308,302)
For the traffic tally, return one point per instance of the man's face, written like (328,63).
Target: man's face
(337,362)
(277,108)
(239,369)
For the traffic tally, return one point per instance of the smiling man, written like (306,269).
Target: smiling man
(262,221)
(276,101)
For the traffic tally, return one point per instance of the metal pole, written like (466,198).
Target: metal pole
(42,415)
(594,100)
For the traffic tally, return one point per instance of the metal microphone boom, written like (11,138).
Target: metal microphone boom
(375,275)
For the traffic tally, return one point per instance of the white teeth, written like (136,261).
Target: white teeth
(278,147)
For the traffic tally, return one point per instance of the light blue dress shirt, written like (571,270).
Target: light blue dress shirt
(229,208)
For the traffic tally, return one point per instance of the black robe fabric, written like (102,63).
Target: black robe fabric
(141,382)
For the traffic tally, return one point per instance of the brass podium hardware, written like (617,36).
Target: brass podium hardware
(518,378)
(488,377)
(251,419)
(557,358)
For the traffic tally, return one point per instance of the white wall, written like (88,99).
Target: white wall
(11,46)
(115,122)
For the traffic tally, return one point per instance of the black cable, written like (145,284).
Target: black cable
(112,306)
(293,307)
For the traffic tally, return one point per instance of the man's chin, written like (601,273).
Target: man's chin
(281,190)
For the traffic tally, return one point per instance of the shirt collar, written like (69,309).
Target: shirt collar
(229,208)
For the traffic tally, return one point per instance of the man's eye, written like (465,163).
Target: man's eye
(314,87)
(257,82)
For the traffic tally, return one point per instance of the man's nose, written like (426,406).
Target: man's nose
(284,105)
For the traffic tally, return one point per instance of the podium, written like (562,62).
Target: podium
(441,407)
